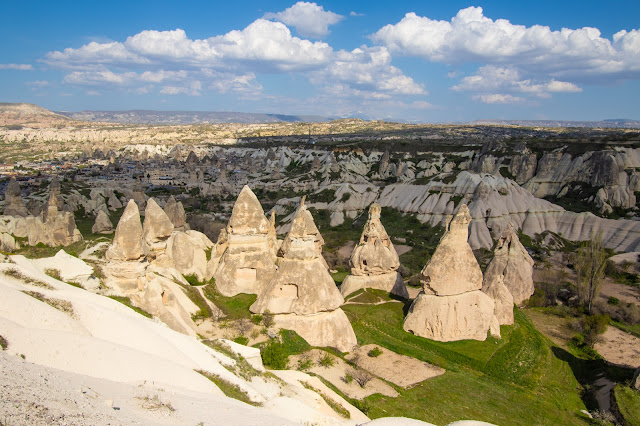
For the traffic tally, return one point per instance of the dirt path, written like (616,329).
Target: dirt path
(399,369)
(335,374)
(619,347)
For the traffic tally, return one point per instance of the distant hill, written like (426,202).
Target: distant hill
(24,110)
(18,114)
(610,123)
(187,117)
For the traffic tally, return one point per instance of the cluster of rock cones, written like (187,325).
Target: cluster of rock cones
(292,279)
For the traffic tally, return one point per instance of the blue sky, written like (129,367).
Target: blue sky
(422,61)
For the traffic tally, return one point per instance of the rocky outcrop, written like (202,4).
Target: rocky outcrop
(187,251)
(248,260)
(127,242)
(13,204)
(102,224)
(302,294)
(502,299)
(374,261)
(450,305)
(513,263)
(175,211)
(157,225)
(495,202)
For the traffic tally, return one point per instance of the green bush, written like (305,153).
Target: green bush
(375,352)
(241,340)
(613,301)
(256,319)
(326,361)
(3,343)
(304,364)
(274,356)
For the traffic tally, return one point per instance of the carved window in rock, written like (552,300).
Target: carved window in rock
(287,291)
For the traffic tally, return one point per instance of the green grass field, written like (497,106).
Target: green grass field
(628,404)
(516,380)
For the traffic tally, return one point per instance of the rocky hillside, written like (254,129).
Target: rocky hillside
(186,117)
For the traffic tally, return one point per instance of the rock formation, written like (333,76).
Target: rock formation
(187,250)
(450,305)
(502,299)
(127,242)
(13,204)
(175,211)
(248,260)
(374,261)
(512,261)
(102,224)
(157,225)
(302,295)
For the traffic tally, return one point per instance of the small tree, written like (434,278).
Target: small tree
(591,260)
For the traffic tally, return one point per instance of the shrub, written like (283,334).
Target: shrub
(274,356)
(53,273)
(241,340)
(304,363)
(268,320)
(613,301)
(348,378)
(3,343)
(326,361)
(229,389)
(375,352)
(256,319)
(362,377)
(589,328)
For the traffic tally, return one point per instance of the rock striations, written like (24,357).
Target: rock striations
(511,261)
(374,261)
(302,295)
(247,261)
(451,306)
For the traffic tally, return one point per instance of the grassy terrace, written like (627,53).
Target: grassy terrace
(515,380)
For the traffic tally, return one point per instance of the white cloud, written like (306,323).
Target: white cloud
(471,37)
(19,67)
(352,13)
(309,19)
(193,89)
(171,62)
(491,79)
(368,69)
(271,47)
(263,43)
(497,98)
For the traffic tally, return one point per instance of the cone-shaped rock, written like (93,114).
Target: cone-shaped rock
(451,306)
(512,261)
(303,228)
(127,241)
(374,261)
(157,225)
(175,211)
(302,294)
(102,224)
(453,268)
(248,260)
(13,204)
